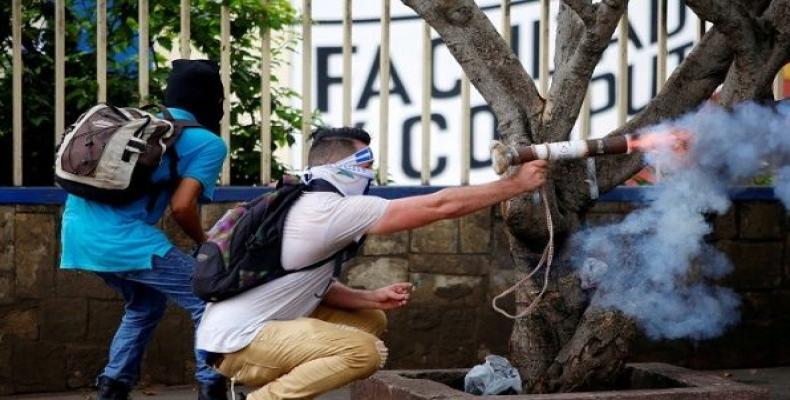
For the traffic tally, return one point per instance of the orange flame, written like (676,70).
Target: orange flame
(676,139)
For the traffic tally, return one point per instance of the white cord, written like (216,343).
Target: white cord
(548,257)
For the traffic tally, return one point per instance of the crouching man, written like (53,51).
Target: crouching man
(305,333)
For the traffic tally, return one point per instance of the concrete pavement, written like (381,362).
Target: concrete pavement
(777,380)
(156,393)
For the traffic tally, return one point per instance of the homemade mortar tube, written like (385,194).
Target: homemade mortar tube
(504,156)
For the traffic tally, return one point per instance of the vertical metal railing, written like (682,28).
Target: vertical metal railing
(506,21)
(622,70)
(224,57)
(307,62)
(183,36)
(384,78)
(266,105)
(60,68)
(778,85)
(661,57)
(543,50)
(466,130)
(427,70)
(16,37)
(266,73)
(142,51)
(101,49)
(347,62)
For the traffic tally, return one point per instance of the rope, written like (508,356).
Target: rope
(548,257)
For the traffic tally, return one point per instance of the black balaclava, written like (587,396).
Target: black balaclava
(195,86)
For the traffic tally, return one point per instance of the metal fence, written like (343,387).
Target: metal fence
(306,89)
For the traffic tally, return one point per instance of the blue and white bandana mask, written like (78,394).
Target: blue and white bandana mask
(347,175)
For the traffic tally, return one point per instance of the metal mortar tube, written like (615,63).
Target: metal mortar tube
(505,156)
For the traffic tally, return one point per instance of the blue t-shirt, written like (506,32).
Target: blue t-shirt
(104,238)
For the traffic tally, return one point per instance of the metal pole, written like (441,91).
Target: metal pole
(16,38)
(185,33)
(384,70)
(266,105)
(60,68)
(225,76)
(142,65)
(307,62)
(466,130)
(544,47)
(101,49)
(506,21)
(347,63)
(426,104)
(622,83)
(661,60)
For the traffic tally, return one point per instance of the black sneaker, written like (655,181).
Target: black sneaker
(110,389)
(213,391)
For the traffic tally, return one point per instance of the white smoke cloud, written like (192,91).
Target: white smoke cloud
(655,265)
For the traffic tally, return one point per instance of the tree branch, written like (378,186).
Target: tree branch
(573,76)
(488,62)
(584,9)
(775,18)
(691,84)
(731,18)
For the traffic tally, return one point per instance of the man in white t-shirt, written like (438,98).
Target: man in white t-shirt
(305,333)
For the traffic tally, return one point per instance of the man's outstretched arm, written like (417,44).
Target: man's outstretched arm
(184,204)
(414,212)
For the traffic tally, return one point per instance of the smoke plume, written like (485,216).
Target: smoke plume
(655,265)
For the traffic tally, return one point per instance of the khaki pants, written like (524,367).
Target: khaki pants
(303,358)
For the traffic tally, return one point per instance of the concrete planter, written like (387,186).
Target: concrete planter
(647,381)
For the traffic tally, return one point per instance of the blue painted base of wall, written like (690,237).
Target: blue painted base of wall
(56,195)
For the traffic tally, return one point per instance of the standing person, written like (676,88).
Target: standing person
(122,246)
(304,334)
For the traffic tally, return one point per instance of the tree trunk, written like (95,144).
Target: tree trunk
(564,345)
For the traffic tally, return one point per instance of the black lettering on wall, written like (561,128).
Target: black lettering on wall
(397,90)
(681,9)
(641,81)
(514,39)
(474,112)
(323,79)
(632,37)
(680,6)
(406,162)
(437,92)
(609,80)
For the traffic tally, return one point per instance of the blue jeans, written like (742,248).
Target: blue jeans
(146,293)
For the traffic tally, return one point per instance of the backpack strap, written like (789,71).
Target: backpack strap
(322,185)
(340,256)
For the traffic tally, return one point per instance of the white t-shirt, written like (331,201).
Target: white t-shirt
(318,225)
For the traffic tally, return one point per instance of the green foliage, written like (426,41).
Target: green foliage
(248,17)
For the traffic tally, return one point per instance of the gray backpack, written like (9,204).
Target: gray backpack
(109,154)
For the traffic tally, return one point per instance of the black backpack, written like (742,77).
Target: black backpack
(109,154)
(245,244)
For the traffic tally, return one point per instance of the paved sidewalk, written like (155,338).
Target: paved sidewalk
(777,380)
(155,393)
